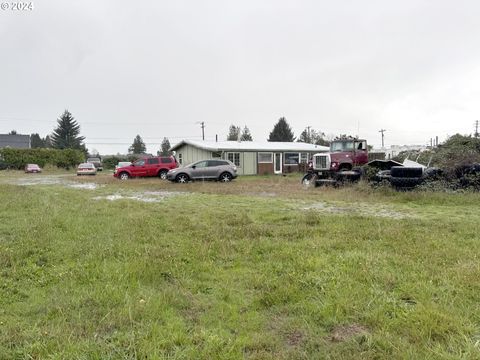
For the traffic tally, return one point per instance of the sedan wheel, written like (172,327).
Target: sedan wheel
(225,177)
(124,176)
(182,178)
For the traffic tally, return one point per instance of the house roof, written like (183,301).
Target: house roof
(251,146)
(15,141)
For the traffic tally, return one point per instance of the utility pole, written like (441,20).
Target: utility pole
(202,125)
(382,131)
(476,128)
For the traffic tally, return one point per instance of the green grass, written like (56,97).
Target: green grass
(230,271)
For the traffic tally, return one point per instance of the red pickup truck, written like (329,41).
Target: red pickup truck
(147,166)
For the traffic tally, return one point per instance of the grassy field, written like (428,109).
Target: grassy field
(260,268)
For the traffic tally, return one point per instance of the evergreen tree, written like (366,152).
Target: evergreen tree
(313,137)
(305,137)
(246,135)
(138,146)
(165,147)
(36,141)
(66,135)
(13,132)
(48,141)
(282,131)
(233,133)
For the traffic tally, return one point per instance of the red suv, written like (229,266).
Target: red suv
(147,166)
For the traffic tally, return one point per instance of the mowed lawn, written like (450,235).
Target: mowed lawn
(256,269)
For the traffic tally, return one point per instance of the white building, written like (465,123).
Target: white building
(394,150)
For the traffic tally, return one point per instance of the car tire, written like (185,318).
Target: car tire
(405,182)
(124,176)
(182,178)
(225,177)
(406,172)
(162,174)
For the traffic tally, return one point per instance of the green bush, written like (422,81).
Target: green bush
(18,158)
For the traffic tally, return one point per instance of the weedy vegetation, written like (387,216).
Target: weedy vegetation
(259,268)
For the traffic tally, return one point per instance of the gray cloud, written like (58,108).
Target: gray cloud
(157,68)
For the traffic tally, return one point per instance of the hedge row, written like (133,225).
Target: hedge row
(18,158)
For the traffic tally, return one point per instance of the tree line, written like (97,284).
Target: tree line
(281,132)
(66,135)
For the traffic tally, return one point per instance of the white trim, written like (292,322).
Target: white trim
(275,163)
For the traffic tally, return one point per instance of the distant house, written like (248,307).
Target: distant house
(15,141)
(251,157)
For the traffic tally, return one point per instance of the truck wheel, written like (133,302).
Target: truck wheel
(182,178)
(405,182)
(124,176)
(406,172)
(162,174)
(309,180)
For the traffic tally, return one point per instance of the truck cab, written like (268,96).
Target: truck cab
(344,156)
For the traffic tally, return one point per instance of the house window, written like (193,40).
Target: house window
(216,154)
(292,158)
(180,158)
(304,157)
(234,158)
(265,158)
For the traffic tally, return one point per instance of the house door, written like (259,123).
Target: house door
(277,163)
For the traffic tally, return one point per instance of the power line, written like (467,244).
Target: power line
(80,122)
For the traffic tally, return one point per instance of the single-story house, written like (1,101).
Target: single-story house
(15,141)
(250,157)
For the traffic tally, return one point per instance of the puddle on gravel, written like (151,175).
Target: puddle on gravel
(87,186)
(357,209)
(39,181)
(147,196)
(54,180)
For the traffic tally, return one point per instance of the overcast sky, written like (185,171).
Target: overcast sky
(157,68)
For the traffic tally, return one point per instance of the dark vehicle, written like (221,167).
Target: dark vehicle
(341,163)
(214,169)
(97,162)
(147,167)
